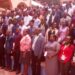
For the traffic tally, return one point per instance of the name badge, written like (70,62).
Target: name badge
(63,57)
(45,54)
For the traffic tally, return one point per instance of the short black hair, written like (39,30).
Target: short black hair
(32,21)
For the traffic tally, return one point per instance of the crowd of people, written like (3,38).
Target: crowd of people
(32,35)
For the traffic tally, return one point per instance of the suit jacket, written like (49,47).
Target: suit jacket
(9,44)
(39,46)
(57,17)
(17,38)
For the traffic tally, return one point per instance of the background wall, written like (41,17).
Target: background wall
(5,4)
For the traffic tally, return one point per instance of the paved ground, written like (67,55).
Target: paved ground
(3,72)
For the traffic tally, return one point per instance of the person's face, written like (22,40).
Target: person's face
(37,31)
(57,6)
(8,32)
(52,38)
(63,24)
(68,40)
(31,24)
(14,21)
(54,25)
(25,32)
(21,22)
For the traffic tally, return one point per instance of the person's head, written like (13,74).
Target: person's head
(15,21)
(68,40)
(37,31)
(51,37)
(63,23)
(8,32)
(17,31)
(25,31)
(57,6)
(4,29)
(10,21)
(36,16)
(65,14)
(31,23)
(21,22)
(54,25)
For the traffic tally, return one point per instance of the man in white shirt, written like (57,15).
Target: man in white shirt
(27,19)
(37,22)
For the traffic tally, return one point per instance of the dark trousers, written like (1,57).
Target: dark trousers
(65,68)
(2,57)
(36,68)
(16,61)
(8,61)
(73,70)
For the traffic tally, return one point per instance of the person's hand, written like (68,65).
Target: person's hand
(73,60)
(12,57)
(13,46)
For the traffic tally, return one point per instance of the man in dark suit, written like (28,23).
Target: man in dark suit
(16,53)
(2,50)
(2,42)
(55,16)
(37,48)
(8,49)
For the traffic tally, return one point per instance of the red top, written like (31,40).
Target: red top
(66,52)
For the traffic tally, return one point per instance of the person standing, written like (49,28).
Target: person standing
(63,30)
(25,51)
(16,52)
(37,50)
(65,56)
(8,49)
(51,52)
(2,49)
